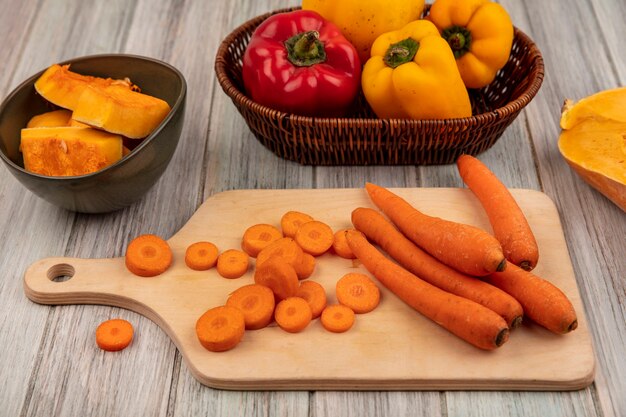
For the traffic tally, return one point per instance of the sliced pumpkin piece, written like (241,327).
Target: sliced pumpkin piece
(56,118)
(119,110)
(605,105)
(106,103)
(595,145)
(63,87)
(65,151)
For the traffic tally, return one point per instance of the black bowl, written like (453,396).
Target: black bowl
(118,185)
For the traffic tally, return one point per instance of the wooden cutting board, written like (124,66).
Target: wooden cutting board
(391,348)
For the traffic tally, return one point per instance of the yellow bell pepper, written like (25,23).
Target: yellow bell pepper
(362,21)
(479,32)
(412,75)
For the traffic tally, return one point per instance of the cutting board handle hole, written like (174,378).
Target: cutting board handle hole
(61,272)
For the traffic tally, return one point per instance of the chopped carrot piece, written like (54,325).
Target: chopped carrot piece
(278,276)
(340,245)
(220,328)
(306,266)
(257,237)
(358,292)
(232,263)
(314,294)
(291,222)
(148,256)
(256,302)
(113,335)
(285,248)
(337,318)
(201,256)
(315,237)
(293,314)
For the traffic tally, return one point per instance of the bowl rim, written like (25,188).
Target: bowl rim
(236,94)
(30,80)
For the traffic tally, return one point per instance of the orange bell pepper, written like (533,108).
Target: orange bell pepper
(480,34)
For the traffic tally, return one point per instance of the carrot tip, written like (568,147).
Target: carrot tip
(503,336)
(516,322)
(501,266)
(572,326)
(526,265)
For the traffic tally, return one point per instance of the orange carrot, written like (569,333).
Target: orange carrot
(542,301)
(148,256)
(257,237)
(467,319)
(278,276)
(337,318)
(314,294)
(201,256)
(232,263)
(380,231)
(306,266)
(293,314)
(220,328)
(507,220)
(315,237)
(285,248)
(291,222)
(340,245)
(466,248)
(256,302)
(113,335)
(358,292)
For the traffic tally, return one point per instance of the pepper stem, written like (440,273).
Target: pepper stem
(401,52)
(305,49)
(459,39)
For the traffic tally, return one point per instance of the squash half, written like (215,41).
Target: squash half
(593,142)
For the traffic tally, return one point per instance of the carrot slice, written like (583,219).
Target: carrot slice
(220,328)
(278,276)
(293,314)
(113,335)
(358,292)
(314,294)
(315,237)
(291,222)
(337,318)
(285,248)
(306,266)
(148,256)
(256,302)
(201,256)
(232,263)
(340,245)
(257,237)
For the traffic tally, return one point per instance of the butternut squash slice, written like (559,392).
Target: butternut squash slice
(106,103)
(68,151)
(593,142)
(56,118)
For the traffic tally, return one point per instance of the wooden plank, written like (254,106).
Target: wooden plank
(358,359)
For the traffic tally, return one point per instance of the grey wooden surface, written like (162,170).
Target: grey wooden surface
(50,365)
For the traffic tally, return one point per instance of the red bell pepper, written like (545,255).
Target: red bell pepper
(297,62)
